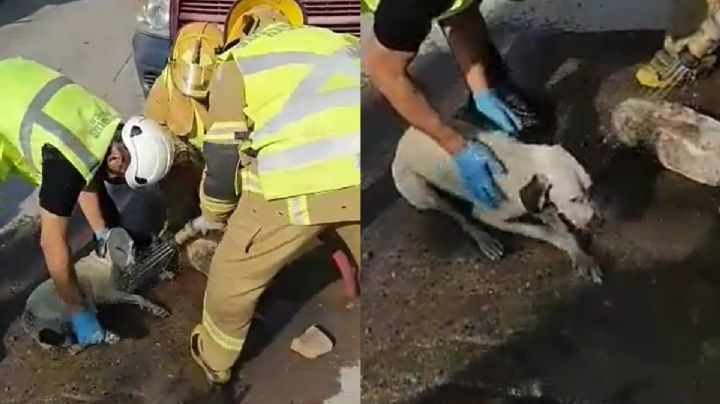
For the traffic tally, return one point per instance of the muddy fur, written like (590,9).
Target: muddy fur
(546,189)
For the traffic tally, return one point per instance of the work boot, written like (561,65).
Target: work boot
(213,376)
(663,70)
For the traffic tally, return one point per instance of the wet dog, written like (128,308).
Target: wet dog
(102,280)
(546,189)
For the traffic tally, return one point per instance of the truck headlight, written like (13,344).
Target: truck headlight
(154,17)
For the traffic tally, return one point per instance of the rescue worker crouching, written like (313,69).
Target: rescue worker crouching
(400,27)
(57,135)
(178,101)
(282,163)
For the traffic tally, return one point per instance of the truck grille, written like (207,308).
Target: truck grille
(148,79)
(203,10)
(341,16)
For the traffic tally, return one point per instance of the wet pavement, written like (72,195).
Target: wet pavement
(441,324)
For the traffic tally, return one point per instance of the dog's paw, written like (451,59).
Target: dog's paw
(589,269)
(490,247)
(161,312)
(167,276)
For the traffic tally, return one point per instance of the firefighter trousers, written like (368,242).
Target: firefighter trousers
(246,260)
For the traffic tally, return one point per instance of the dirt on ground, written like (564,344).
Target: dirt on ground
(152,365)
(441,324)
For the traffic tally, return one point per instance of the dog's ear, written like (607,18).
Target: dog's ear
(534,195)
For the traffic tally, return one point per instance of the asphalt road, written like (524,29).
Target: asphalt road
(441,324)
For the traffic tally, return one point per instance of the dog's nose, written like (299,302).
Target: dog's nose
(596,222)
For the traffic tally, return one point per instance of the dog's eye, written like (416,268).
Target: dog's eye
(576,199)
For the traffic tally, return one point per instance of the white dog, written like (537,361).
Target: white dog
(111,279)
(543,183)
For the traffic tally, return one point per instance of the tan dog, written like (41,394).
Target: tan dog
(543,183)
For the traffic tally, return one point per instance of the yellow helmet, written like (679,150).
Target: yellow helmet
(193,57)
(247,16)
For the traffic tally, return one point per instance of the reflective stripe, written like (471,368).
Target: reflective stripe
(313,152)
(298,209)
(222,339)
(250,182)
(221,137)
(36,116)
(307,99)
(229,126)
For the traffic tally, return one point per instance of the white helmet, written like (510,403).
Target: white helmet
(151,151)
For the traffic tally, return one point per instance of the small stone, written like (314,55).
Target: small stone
(312,343)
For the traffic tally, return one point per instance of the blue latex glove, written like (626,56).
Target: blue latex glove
(488,103)
(87,328)
(478,166)
(100,240)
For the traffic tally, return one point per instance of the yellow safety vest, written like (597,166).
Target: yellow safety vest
(302,88)
(41,106)
(457,7)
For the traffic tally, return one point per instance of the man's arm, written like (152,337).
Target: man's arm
(467,36)
(228,128)
(59,192)
(89,201)
(400,27)
(53,239)
(388,71)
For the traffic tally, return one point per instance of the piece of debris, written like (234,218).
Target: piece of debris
(312,343)
(683,140)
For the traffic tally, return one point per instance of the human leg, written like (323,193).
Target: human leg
(245,262)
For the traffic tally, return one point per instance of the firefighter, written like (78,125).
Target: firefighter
(400,26)
(57,135)
(282,155)
(178,101)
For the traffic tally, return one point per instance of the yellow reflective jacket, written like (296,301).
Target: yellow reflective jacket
(40,106)
(302,94)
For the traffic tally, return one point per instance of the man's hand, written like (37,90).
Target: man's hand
(101,242)
(478,165)
(203,224)
(489,104)
(87,328)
